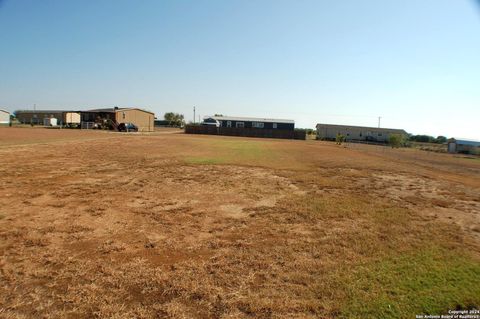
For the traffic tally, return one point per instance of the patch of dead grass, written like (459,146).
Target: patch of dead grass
(281,229)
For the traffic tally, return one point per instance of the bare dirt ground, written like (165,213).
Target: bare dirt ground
(96,224)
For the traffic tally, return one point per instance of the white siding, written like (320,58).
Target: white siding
(72,118)
(329,131)
(452,147)
(4,117)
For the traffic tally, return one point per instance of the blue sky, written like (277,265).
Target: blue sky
(414,63)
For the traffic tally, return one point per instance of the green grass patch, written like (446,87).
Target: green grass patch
(350,206)
(401,267)
(198,160)
(233,151)
(430,281)
(242,151)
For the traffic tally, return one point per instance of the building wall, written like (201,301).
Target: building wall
(32,117)
(467,149)
(71,118)
(329,132)
(142,119)
(266,125)
(4,117)
(452,147)
(471,147)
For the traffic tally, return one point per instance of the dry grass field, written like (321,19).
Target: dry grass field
(96,224)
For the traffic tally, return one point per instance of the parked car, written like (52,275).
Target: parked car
(127,127)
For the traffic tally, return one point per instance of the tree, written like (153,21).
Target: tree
(174,119)
(396,140)
(340,139)
(427,139)
(441,139)
(422,138)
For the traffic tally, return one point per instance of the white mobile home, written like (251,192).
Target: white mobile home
(356,133)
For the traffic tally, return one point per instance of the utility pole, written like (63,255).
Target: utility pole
(194,115)
(379,118)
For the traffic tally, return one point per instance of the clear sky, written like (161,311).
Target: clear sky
(415,63)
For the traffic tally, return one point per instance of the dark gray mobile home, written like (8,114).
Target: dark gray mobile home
(252,122)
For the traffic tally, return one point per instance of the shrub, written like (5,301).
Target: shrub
(396,140)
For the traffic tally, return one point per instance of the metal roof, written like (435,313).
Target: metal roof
(364,127)
(112,110)
(105,110)
(44,111)
(4,111)
(465,142)
(250,119)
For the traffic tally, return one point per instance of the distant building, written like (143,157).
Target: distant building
(463,146)
(89,119)
(40,117)
(143,119)
(356,133)
(247,127)
(161,123)
(252,122)
(4,117)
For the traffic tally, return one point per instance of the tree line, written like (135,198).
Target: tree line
(399,140)
(427,139)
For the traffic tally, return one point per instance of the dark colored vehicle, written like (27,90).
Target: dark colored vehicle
(127,127)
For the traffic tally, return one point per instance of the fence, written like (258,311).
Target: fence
(246,132)
(87,125)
